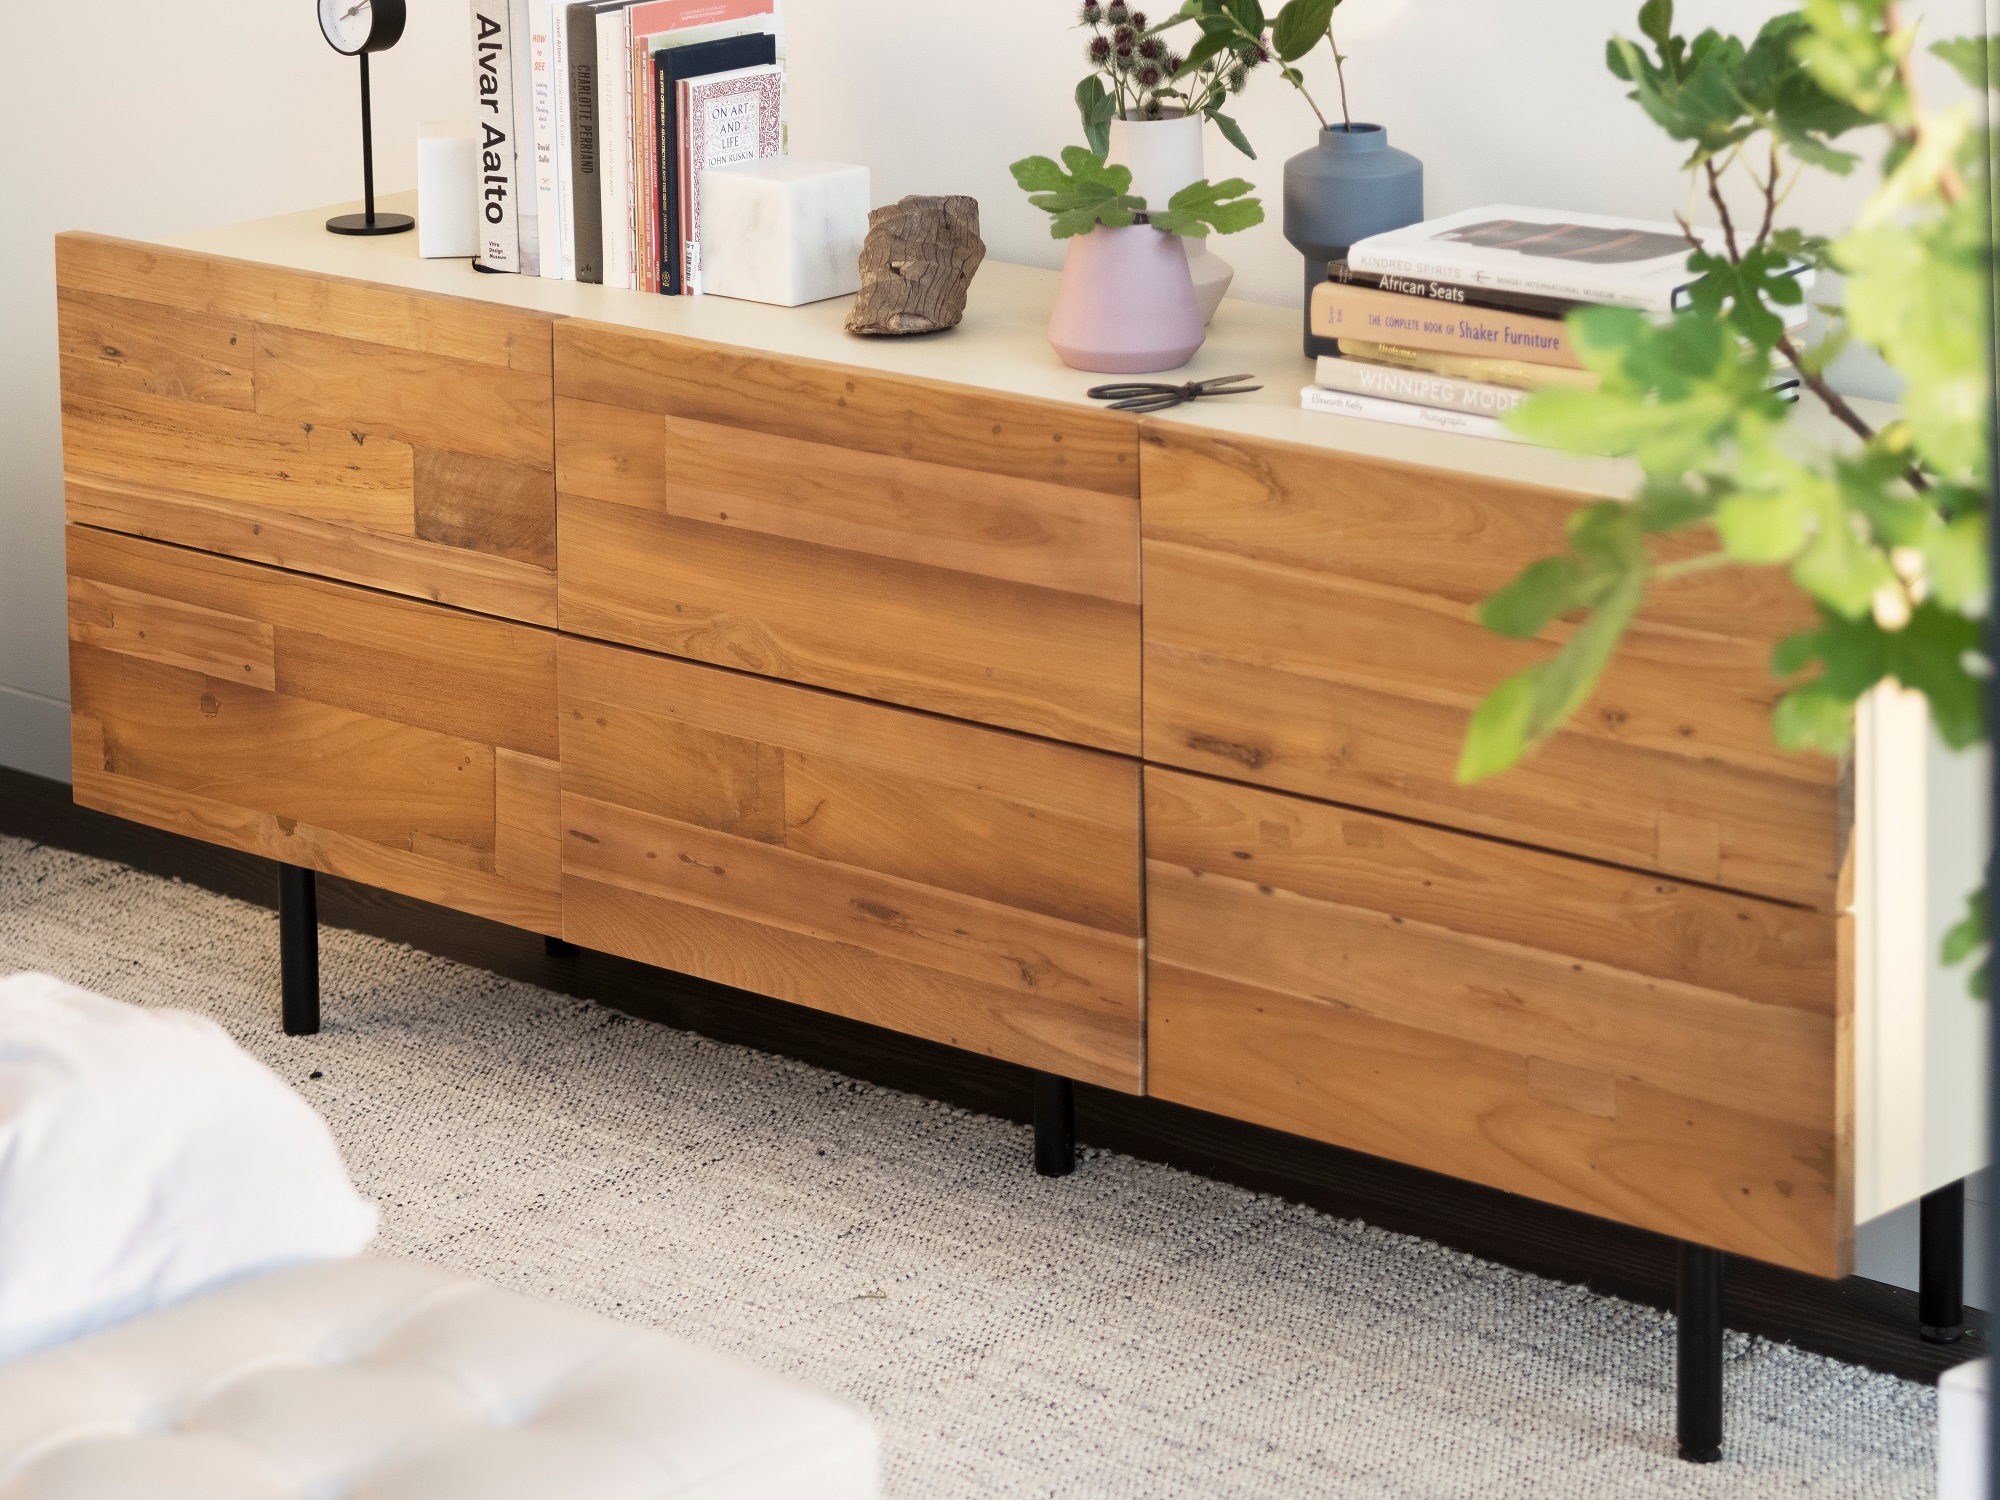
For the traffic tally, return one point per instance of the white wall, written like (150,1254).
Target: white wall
(133,122)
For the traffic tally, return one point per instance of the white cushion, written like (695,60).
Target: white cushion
(383,1380)
(145,1156)
(1961,1431)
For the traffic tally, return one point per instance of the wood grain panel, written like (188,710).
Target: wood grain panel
(1467,1006)
(1059,664)
(487,333)
(1344,662)
(1021,530)
(726,825)
(405,744)
(394,439)
(957,427)
(172,632)
(1768,952)
(905,541)
(412,566)
(119,343)
(1744,1184)
(1344,513)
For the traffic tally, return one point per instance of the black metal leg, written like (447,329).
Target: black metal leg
(555,947)
(298,949)
(1698,1301)
(1941,1264)
(1055,1125)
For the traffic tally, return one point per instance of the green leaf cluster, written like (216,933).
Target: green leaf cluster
(1716,92)
(1885,534)
(1237,29)
(1080,192)
(1088,194)
(1203,206)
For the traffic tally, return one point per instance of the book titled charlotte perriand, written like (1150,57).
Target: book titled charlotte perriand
(1577,257)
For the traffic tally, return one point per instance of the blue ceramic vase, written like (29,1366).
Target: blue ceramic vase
(1351,185)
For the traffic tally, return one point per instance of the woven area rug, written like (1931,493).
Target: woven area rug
(1129,1331)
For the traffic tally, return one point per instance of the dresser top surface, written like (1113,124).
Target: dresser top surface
(1001,346)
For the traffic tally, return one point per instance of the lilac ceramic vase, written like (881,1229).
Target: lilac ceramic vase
(1126,305)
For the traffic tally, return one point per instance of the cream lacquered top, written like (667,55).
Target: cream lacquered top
(1001,345)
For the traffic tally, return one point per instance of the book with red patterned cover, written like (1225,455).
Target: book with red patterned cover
(724,118)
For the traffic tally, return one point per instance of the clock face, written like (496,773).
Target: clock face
(348,24)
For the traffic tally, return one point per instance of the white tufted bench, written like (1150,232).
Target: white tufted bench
(371,1379)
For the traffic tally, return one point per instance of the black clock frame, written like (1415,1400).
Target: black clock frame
(387,20)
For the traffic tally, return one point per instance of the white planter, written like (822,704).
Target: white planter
(1165,156)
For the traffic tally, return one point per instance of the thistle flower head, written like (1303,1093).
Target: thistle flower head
(1150,49)
(1139,19)
(1124,36)
(1123,58)
(1174,63)
(1117,13)
(1238,76)
(1148,75)
(1090,14)
(1099,49)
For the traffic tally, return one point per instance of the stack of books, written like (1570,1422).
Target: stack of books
(1450,323)
(596,120)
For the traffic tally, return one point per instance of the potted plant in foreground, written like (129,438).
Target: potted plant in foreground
(1127,303)
(1142,108)
(1350,185)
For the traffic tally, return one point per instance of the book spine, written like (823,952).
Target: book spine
(528,221)
(614,155)
(493,70)
(1376,409)
(1355,312)
(1573,281)
(666,179)
(1344,273)
(685,167)
(1418,387)
(645,168)
(565,191)
(548,194)
(586,205)
(1507,372)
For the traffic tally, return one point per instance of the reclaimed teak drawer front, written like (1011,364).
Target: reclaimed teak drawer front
(390,438)
(1311,624)
(404,745)
(968,885)
(902,540)
(1658,1054)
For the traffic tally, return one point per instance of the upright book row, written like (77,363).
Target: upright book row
(596,120)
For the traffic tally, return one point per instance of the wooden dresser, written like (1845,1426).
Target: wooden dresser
(897,679)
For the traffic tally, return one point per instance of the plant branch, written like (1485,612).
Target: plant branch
(1770,187)
(1951,186)
(1339,72)
(1722,211)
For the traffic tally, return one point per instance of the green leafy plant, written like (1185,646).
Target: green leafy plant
(1134,75)
(1080,192)
(1887,538)
(1238,28)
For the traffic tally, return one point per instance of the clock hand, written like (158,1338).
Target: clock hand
(354,10)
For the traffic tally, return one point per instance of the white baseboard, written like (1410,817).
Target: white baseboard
(34,733)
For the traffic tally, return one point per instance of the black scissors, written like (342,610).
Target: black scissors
(1144,395)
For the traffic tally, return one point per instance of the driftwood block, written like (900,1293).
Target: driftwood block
(916,264)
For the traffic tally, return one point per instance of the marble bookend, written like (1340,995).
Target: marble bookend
(783,230)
